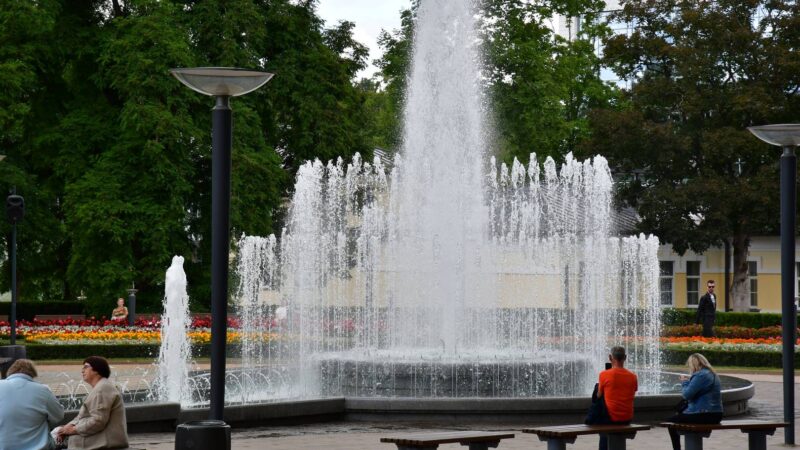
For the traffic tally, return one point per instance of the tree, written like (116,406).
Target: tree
(700,76)
(542,84)
(113,155)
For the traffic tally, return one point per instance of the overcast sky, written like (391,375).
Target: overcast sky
(370,16)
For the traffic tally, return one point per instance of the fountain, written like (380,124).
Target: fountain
(444,286)
(174,358)
(448,276)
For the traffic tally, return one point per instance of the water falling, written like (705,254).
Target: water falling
(448,276)
(175,354)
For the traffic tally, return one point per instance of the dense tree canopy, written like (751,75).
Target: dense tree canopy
(700,76)
(540,84)
(113,155)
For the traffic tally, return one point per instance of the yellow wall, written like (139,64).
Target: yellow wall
(765,251)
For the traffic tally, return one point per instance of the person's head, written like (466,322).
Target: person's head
(697,361)
(711,285)
(617,356)
(95,368)
(120,301)
(23,366)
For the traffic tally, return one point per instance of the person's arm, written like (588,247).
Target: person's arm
(99,408)
(700,307)
(696,384)
(55,412)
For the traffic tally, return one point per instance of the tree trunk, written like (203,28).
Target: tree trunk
(740,289)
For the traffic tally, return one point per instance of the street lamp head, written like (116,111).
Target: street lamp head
(783,135)
(221,81)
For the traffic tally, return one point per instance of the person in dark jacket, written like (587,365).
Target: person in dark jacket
(707,310)
(702,391)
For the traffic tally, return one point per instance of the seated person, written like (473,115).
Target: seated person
(28,409)
(702,391)
(120,313)
(101,422)
(616,388)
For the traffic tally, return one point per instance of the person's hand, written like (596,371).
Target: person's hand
(67,430)
(684,377)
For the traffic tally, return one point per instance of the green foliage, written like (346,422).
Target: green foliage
(700,77)
(29,310)
(738,358)
(80,351)
(543,84)
(112,154)
(681,317)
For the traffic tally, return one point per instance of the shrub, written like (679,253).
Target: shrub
(27,310)
(743,358)
(723,332)
(681,317)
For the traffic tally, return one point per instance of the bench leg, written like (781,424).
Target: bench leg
(481,445)
(618,441)
(557,443)
(757,439)
(694,441)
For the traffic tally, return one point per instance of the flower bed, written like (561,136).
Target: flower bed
(724,332)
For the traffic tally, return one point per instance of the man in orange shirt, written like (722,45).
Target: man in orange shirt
(616,388)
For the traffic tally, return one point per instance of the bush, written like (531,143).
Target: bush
(743,358)
(27,310)
(724,332)
(681,317)
(38,352)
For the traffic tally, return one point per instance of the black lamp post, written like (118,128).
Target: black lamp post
(786,136)
(222,83)
(132,304)
(15,209)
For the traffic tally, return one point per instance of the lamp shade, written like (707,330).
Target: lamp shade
(785,134)
(218,81)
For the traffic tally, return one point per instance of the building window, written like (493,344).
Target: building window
(692,283)
(752,272)
(666,281)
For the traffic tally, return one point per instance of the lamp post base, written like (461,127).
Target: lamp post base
(203,435)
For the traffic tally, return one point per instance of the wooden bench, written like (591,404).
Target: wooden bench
(558,437)
(476,440)
(59,317)
(757,432)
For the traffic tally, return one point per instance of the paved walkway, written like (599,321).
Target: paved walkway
(767,404)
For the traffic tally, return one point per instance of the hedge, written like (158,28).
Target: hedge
(80,351)
(27,310)
(680,317)
(743,358)
(739,358)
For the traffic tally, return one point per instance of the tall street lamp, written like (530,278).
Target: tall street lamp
(222,83)
(786,136)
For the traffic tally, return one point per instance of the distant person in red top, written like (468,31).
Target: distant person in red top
(615,389)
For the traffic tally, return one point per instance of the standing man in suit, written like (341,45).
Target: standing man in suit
(707,310)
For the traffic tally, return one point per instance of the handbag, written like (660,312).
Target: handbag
(682,405)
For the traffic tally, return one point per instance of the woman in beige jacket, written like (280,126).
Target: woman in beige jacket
(100,423)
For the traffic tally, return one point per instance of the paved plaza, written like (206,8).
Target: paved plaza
(767,404)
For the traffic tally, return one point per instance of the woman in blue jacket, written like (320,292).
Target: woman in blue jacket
(702,392)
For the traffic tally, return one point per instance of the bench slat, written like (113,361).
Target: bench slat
(569,431)
(446,437)
(726,425)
